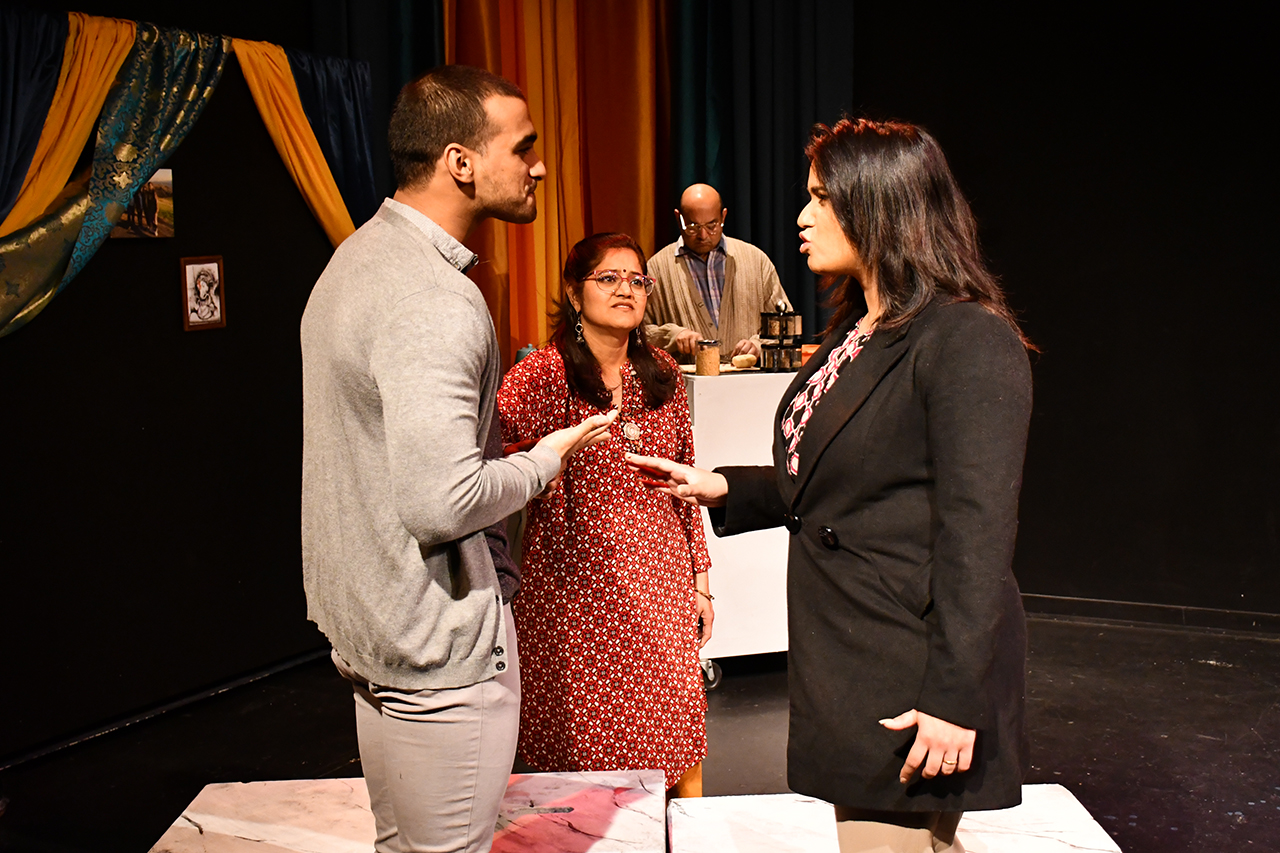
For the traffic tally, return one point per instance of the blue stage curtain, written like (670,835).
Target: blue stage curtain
(749,79)
(337,97)
(31,47)
(161,90)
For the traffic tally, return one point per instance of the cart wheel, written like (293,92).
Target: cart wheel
(711,674)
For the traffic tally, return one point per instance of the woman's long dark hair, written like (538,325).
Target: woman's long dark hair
(582,370)
(898,203)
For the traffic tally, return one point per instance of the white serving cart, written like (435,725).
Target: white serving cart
(733,425)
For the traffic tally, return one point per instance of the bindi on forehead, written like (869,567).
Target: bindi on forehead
(620,259)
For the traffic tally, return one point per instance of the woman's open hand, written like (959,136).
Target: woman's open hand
(691,485)
(941,747)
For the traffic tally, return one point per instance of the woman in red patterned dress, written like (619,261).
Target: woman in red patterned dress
(614,602)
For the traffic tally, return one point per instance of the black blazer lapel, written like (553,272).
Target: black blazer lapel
(845,398)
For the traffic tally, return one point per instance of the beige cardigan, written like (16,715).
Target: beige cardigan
(750,286)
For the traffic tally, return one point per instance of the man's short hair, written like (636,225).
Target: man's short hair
(443,106)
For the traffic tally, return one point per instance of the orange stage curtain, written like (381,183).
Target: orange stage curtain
(96,48)
(552,86)
(590,72)
(473,36)
(266,69)
(618,52)
(532,44)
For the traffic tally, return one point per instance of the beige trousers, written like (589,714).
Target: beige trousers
(865,831)
(437,762)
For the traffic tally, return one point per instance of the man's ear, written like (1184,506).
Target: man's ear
(724,214)
(458,162)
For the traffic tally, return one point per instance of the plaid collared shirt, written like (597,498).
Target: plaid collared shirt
(708,275)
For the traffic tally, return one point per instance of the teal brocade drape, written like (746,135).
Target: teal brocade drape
(162,89)
(159,93)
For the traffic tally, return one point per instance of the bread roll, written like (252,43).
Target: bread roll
(741,361)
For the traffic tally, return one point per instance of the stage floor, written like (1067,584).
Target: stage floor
(1170,738)
(598,813)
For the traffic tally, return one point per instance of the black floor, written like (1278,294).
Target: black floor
(1171,739)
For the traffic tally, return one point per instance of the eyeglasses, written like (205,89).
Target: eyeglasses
(611,281)
(712,228)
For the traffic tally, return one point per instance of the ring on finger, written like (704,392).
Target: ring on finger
(950,761)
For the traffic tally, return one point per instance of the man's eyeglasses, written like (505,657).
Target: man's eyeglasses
(691,228)
(611,281)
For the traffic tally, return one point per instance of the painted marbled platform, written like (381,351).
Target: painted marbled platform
(571,812)
(618,812)
(1050,820)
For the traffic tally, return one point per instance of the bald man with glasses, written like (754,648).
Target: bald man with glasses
(709,286)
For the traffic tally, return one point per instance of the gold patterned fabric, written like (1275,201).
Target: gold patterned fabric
(160,91)
(33,259)
(96,48)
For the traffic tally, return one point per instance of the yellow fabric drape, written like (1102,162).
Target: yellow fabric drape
(603,169)
(266,70)
(96,48)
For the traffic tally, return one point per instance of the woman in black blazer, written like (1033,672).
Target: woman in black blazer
(897,462)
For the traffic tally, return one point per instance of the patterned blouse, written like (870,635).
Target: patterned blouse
(606,615)
(806,399)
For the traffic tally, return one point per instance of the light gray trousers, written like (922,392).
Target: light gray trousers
(437,761)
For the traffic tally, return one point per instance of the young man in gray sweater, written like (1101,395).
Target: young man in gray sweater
(400,370)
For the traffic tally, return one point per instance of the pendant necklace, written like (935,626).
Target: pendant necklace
(630,429)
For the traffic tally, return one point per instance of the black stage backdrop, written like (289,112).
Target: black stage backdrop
(149,505)
(1125,187)
(150,499)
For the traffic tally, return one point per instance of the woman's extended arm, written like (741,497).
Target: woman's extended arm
(739,499)
(692,485)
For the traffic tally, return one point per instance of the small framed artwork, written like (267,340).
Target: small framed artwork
(150,213)
(204,295)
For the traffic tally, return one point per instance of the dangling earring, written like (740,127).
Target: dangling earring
(578,330)
(639,336)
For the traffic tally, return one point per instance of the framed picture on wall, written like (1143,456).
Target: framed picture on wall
(204,295)
(150,212)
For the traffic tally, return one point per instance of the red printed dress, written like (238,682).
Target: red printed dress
(606,616)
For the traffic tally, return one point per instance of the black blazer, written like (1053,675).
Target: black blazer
(900,591)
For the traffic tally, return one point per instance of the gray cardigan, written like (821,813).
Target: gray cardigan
(400,368)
